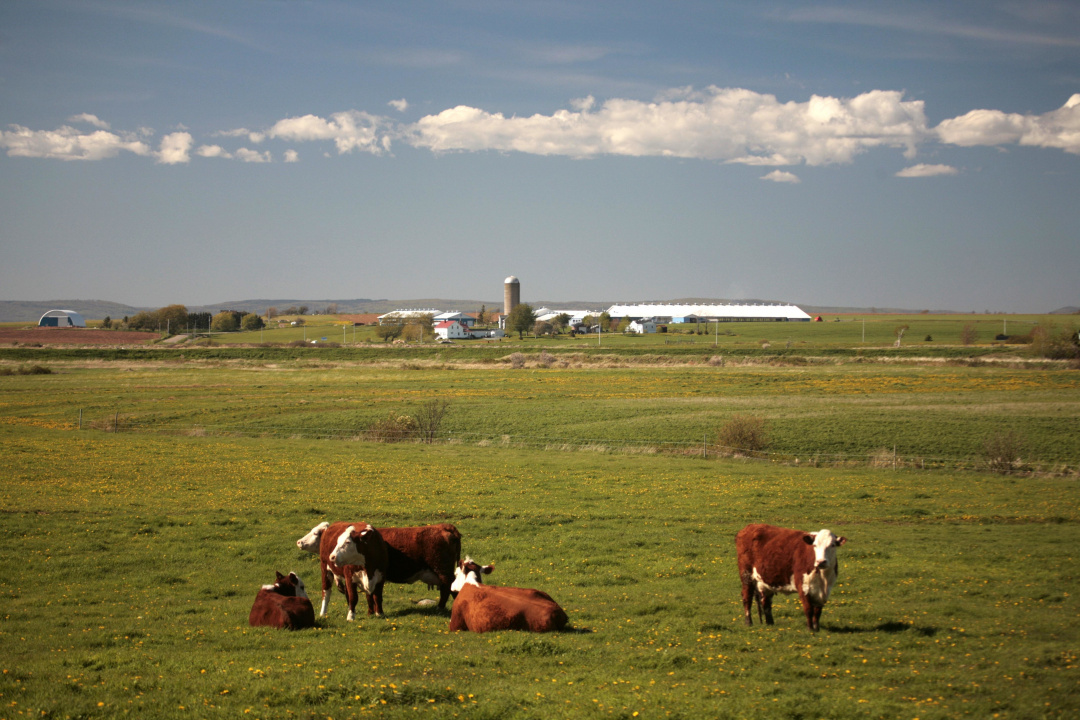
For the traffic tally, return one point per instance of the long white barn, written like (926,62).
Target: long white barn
(724,312)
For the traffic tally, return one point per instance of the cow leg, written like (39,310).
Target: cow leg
(749,594)
(350,593)
(808,610)
(817,617)
(376,597)
(444,595)
(327,589)
(766,602)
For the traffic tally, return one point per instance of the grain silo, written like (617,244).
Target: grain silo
(511,294)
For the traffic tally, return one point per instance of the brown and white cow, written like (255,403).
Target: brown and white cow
(283,604)
(426,554)
(350,554)
(778,560)
(484,608)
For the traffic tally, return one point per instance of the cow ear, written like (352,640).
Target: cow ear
(280,577)
(488,569)
(808,538)
(294,578)
(841,540)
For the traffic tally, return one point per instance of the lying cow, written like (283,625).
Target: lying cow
(773,560)
(283,605)
(349,554)
(427,554)
(483,608)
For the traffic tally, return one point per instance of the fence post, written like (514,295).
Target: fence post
(705,445)
(116,422)
(80,418)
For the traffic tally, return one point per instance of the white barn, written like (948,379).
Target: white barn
(720,312)
(62,318)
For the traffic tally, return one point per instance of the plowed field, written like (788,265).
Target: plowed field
(73,336)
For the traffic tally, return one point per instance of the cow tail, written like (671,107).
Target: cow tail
(758,600)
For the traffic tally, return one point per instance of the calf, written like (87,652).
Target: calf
(773,560)
(482,608)
(428,554)
(283,605)
(349,553)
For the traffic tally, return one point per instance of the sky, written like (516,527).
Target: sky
(911,154)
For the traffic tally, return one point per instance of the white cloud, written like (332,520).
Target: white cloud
(922,170)
(400,105)
(292,156)
(212,151)
(350,130)
(175,148)
(782,176)
(1056,129)
(730,125)
(67,143)
(91,119)
(251,156)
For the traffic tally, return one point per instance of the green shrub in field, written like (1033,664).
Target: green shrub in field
(1002,451)
(27,370)
(743,434)
(1047,342)
(393,428)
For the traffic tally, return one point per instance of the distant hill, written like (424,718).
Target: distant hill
(1070,310)
(30,311)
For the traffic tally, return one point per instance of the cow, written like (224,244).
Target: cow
(773,559)
(428,554)
(283,604)
(484,608)
(349,553)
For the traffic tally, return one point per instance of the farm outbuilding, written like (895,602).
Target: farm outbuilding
(62,318)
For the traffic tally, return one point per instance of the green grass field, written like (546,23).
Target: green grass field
(130,559)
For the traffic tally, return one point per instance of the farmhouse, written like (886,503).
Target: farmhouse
(62,318)
(722,312)
(455,330)
(645,325)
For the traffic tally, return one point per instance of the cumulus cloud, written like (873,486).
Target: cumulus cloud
(782,176)
(350,130)
(922,170)
(252,156)
(725,124)
(292,156)
(212,151)
(67,143)
(1056,129)
(91,119)
(400,105)
(175,148)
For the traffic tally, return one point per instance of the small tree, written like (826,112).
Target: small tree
(107,322)
(605,322)
(743,434)
(331,309)
(252,321)
(271,312)
(624,325)
(224,321)
(968,334)
(542,327)
(521,319)
(389,332)
(302,310)
(429,419)
(900,330)
(1002,451)
(481,317)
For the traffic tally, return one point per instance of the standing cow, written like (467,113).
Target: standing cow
(349,554)
(483,608)
(773,559)
(427,554)
(283,605)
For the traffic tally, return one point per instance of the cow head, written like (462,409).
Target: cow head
(824,544)
(468,572)
(351,544)
(289,585)
(310,542)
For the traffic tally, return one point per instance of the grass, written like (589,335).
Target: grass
(130,561)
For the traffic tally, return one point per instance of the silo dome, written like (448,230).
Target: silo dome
(511,281)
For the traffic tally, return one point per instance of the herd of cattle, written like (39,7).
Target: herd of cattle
(359,558)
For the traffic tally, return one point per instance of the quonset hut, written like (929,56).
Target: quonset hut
(62,318)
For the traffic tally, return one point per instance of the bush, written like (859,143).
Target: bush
(429,419)
(393,428)
(1002,451)
(26,370)
(743,435)
(517,361)
(1046,342)
(968,335)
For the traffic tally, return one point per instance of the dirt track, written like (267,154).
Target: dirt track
(73,336)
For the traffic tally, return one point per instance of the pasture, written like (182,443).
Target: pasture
(130,559)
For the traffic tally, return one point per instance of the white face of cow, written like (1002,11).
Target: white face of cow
(300,591)
(468,572)
(347,548)
(824,544)
(310,542)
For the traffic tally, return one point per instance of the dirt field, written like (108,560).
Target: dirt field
(73,336)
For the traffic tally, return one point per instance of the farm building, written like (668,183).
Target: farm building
(456,330)
(453,315)
(721,312)
(399,316)
(645,325)
(62,318)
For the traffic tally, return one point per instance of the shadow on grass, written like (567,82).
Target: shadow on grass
(886,627)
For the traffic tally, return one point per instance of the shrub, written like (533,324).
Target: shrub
(27,370)
(393,428)
(429,418)
(517,361)
(1046,342)
(743,434)
(1002,451)
(546,359)
(968,335)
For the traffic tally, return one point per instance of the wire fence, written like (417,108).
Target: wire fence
(701,449)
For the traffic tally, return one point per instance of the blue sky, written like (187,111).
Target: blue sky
(904,154)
